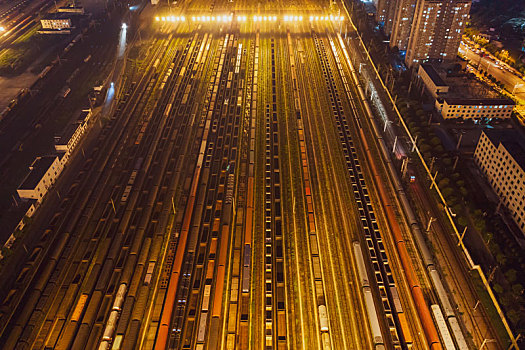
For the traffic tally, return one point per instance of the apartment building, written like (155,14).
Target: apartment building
(385,14)
(500,154)
(436,30)
(403,15)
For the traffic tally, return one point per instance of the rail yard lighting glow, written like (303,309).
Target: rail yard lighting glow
(243,18)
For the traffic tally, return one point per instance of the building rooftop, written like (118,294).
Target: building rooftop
(12,217)
(513,142)
(71,9)
(479,101)
(57,15)
(433,74)
(68,132)
(38,169)
(84,115)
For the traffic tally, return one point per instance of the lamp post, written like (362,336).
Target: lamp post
(517,85)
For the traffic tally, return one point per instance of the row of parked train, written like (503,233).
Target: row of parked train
(428,321)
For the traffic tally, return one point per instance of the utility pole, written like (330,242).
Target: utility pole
(462,235)
(491,275)
(414,144)
(404,167)
(395,144)
(430,221)
(432,164)
(455,163)
(433,179)
(499,205)
(459,141)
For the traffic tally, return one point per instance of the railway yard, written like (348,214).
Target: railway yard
(235,198)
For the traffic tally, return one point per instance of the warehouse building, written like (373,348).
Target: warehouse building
(472,108)
(43,173)
(435,85)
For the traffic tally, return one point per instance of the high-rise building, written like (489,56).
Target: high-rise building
(402,16)
(385,14)
(436,30)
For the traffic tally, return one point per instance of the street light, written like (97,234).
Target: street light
(516,86)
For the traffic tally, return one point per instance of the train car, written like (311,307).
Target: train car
(405,330)
(458,333)
(149,273)
(442,327)
(119,298)
(79,308)
(110,326)
(206,297)
(201,333)
(372,316)
(323,318)
(326,343)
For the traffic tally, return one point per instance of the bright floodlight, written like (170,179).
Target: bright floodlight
(124,25)
(286,18)
(157,19)
(300,18)
(183,19)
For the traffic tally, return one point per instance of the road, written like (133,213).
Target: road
(221,204)
(512,82)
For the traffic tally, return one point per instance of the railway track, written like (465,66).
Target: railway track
(324,336)
(234,333)
(392,317)
(212,219)
(180,236)
(273,294)
(64,337)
